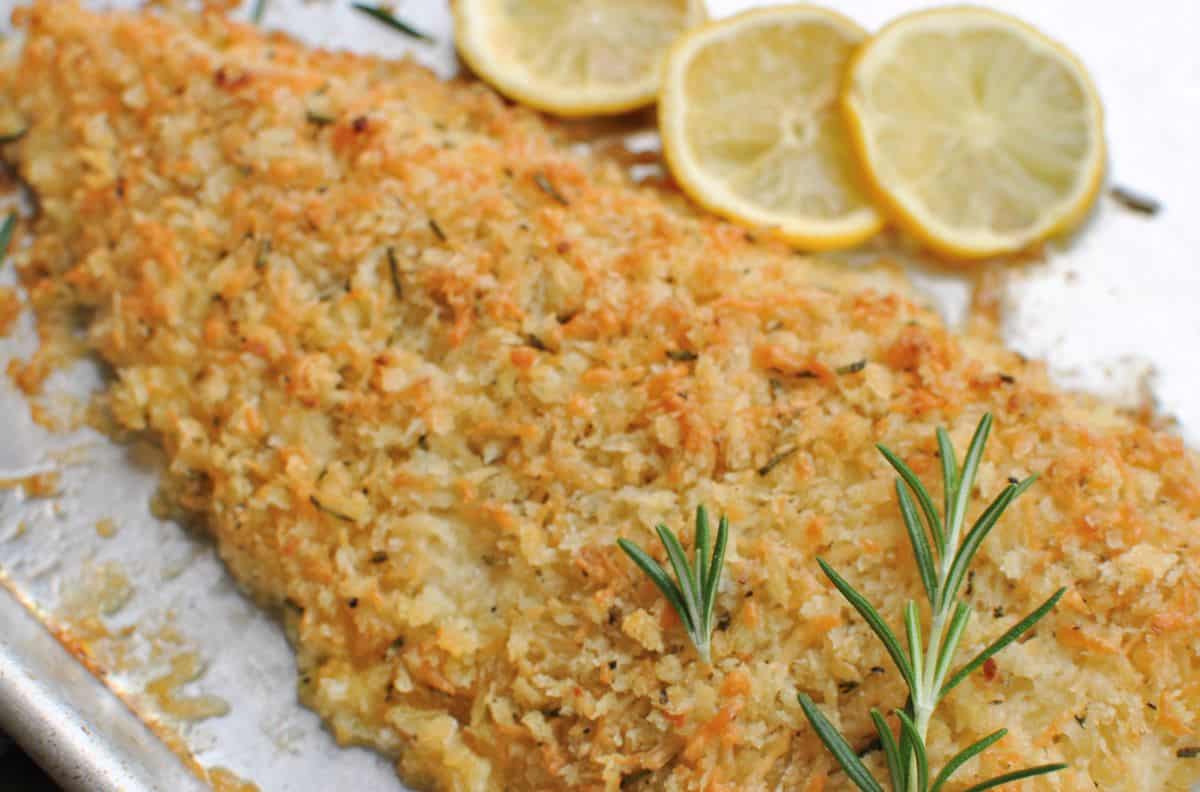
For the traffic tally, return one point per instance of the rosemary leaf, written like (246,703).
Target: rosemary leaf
(851,368)
(949,474)
(546,186)
(6,232)
(258,11)
(701,560)
(891,751)
(386,17)
(437,230)
(964,482)
(917,741)
(1017,775)
(975,537)
(906,747)
(918,489)
(958,623)
(657,575)
(1012,634)
(874,621)
(979,531)
(1135,201)
(683,573)
(920,545)
(963,756)
(837,745)
(394,269)
(682,355)
(912,633)
(713,577)
(774,461)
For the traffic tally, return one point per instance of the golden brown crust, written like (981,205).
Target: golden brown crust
(10,310)
(429,464)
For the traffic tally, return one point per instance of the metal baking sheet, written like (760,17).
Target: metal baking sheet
(1111,312)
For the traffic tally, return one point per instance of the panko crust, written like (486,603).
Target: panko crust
(416,398)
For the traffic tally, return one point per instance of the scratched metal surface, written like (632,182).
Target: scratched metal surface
(1111,312)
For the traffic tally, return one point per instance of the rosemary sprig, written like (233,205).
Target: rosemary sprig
(942,554)
(390,19)
(693,593)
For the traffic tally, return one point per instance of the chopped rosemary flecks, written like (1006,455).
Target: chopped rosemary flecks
(320,119)
(331,512)
(682,355)
(264,250)
(942,554)
(535,342)
(693,593)
(634,778)
(1135,201)
(546,186)
(394,269)
(6,232)
(1191,752)
(258,11)
(13,137)
(774,461)
(389,19)
(851,368)
(437,230)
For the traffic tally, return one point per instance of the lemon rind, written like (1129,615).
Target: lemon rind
(956,244)
(566,101)
(812,234)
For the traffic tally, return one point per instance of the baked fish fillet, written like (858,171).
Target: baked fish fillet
(418,366)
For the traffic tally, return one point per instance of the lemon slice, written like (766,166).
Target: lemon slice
(572,57)
(981,135)
(751,128)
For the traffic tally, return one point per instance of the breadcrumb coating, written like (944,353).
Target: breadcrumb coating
(417,396)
